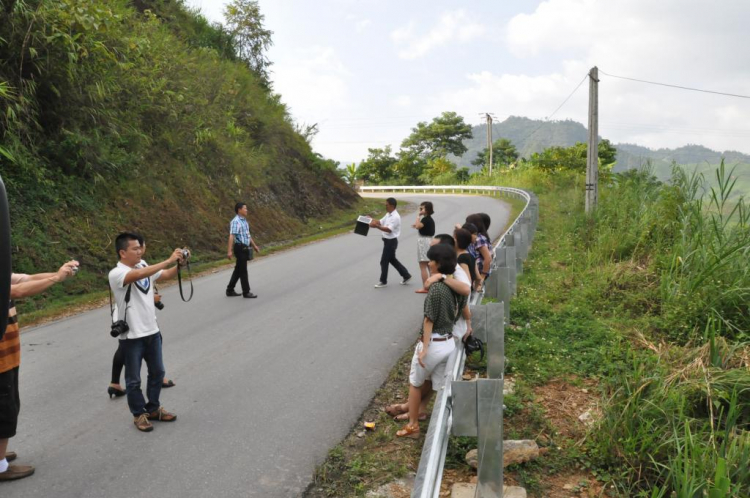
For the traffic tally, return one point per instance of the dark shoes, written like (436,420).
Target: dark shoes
(250,295)
(16,472)
(10,455)
(162,415)
(233,293)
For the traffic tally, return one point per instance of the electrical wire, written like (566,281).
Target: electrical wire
(676,86)
(547,118)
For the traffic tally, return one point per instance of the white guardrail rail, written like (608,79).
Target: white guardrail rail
(509,252)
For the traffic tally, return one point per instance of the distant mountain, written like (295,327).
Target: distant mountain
(529,136)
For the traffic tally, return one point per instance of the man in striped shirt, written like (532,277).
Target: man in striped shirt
(10,361)
(239,244)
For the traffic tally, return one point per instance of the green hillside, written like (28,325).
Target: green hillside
(139,115)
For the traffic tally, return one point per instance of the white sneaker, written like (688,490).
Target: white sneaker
(379,285)
(406,280)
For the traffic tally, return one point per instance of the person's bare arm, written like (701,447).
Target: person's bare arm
(487,259)
(140,273)
(456,286)
(426,336)
(36,284)
(467,316)
(230,245)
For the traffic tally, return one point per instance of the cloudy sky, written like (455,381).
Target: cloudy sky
(368,70)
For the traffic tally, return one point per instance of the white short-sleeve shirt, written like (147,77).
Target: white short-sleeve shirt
(460,327)
(141,314)
(391,220)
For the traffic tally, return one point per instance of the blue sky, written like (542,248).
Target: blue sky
(367,71)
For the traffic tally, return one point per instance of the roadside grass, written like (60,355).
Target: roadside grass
(58,304)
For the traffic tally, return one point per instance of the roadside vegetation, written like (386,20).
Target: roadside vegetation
(637,315)
(141,115)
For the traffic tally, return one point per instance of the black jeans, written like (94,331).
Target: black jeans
(389,258)
(240,270)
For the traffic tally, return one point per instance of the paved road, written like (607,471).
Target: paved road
(264,387)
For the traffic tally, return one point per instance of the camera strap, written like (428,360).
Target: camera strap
(179,281)
(112,308)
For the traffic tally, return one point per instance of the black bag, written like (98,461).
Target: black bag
(473,344)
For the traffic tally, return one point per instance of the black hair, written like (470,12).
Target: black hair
(122,242)
(141,240)
(446,239)
(486,220)
(471,227)
(479,222)
(428,207)
(238,206)
(391,201)
(444,256)
(463,238)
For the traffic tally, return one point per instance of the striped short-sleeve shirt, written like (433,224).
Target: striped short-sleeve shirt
(240,229)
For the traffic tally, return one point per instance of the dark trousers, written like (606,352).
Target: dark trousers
(136,351)
(10,403)
(389,258)
(240,270)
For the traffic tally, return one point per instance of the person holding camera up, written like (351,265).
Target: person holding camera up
(10,361)
(136,327)
(238,245)
(115,390)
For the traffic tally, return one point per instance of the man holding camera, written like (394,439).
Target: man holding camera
(10,360)
(135,325)
(239,242)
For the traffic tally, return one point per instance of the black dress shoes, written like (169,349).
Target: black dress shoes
(232,293)
(250,295)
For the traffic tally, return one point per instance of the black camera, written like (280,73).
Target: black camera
(159,305)
(119,327)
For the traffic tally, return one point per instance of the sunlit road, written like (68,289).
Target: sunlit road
(265,387)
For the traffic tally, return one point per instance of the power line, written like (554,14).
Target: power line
(677,86)
(547,118)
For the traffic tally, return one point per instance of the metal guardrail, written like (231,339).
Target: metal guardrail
(512,247)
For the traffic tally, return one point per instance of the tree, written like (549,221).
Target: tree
(409,167)
(378,167)
(438,167)
(245,23)
(503,154)
(573,158)
(443,136)
(350,174)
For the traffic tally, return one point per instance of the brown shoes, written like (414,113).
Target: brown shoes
(10,455)
(142,424)
(162,415)
(16,472)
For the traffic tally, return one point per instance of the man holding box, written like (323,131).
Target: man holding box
(390,225)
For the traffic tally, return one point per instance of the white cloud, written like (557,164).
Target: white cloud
(690,44)
(452,26)
(362,25)
(313,81)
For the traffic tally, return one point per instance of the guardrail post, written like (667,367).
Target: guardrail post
(478,411)
(504,290)
(495,329)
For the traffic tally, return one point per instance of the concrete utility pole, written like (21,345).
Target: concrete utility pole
(489,140)
(592,157)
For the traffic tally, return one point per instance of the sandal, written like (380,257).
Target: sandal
(395,410)
(409,431)
(404,417)
(167,383)
(422,291)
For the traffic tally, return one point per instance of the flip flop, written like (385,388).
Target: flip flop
(422,291)
(404,417)
(394,410)
(409,431)
(167,383)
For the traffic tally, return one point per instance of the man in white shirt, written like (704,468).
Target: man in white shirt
(390,225)
(133,289)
